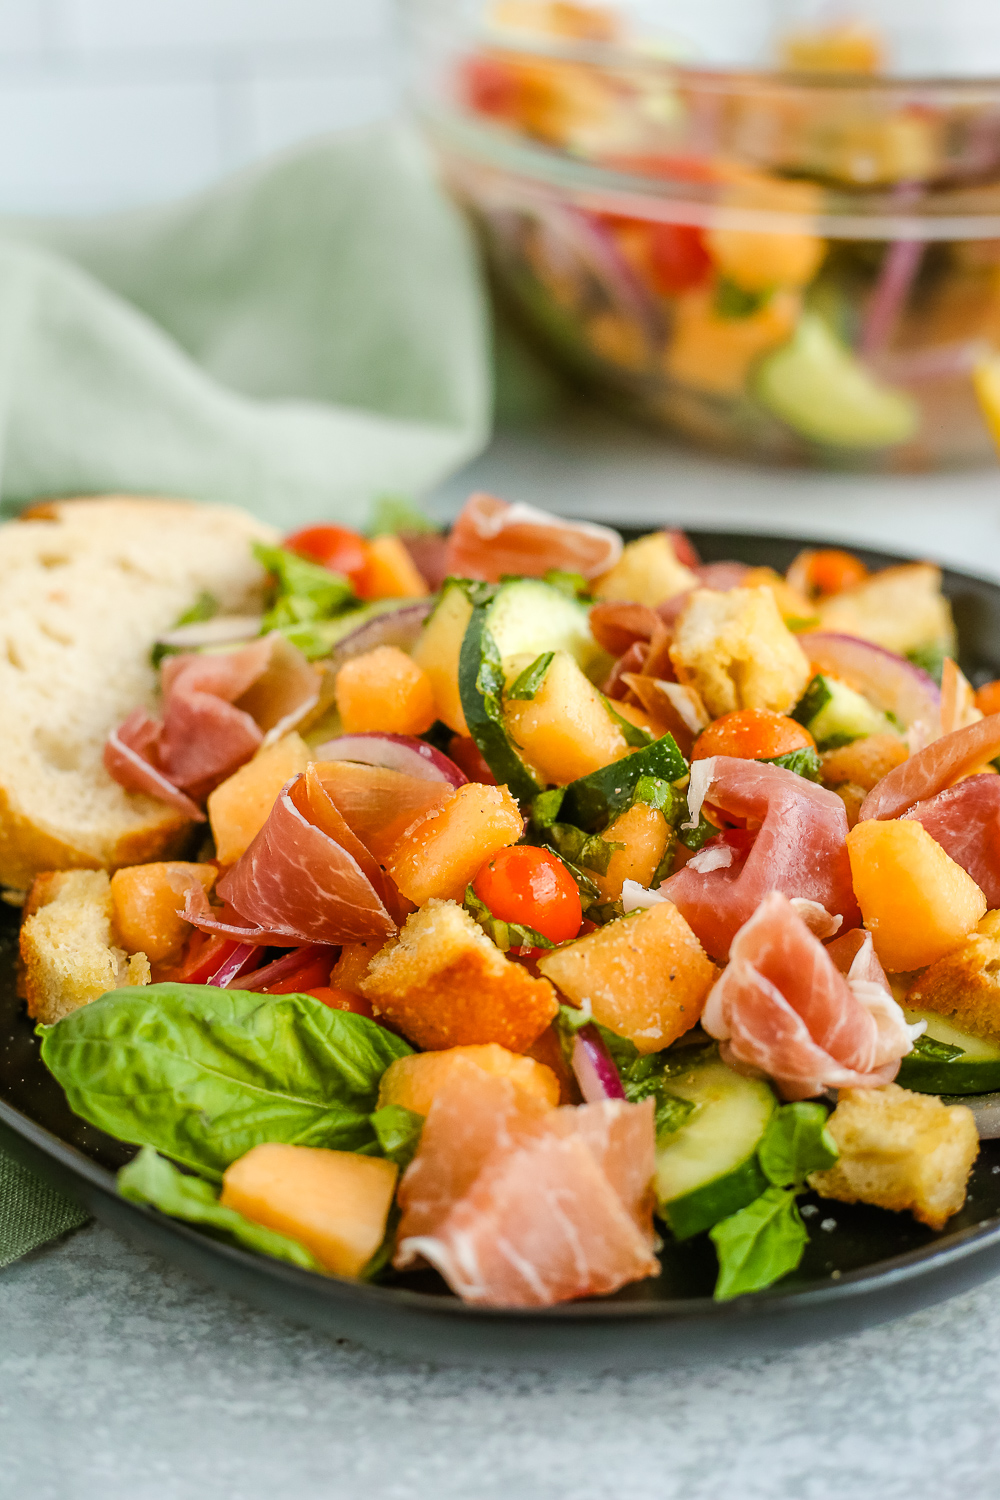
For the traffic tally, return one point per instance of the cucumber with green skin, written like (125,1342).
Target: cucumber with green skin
(928,1070)
(595,800)
(835,714)
(481,684)
(708,1169)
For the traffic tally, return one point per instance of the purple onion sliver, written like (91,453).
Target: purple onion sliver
(288,963)
(595,1071)
(891,682)
(240,961)
(395,752)
(393,627)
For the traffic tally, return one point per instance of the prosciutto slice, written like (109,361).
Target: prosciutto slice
(306,878)
(933,769)
(128,758)
(491,537)
(965,821)
(800,850)
(784,1008)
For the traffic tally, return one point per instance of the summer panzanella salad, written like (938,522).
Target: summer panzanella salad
(549,894)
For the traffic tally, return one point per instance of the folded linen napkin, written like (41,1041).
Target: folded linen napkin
(302,336)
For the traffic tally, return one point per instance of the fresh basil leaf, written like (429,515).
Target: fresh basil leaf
(795,1143)
(304,591)
(603,912)
(759,1244)
(632,734)
(671,1112)
(733,301)
(640,1082)
(935,1051)
(382,1259)
(653,791)
(393,514)
(930,658)
(573,585)
(545,807)
(588,850)
(526,686)
(204,1074)
(697,838)
(803,762)
(150,1178)
(398,1131)
(506,935)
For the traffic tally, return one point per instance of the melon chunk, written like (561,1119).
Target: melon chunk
(645,833)
(384,690)
(146,901)
(917,903)
(565,731)
(645,977)
(238,809)
(438,649)
(442,853)
(391,572)
(336,1203)
(415,1081)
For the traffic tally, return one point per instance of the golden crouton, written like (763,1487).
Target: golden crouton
(864,762)
(900,608)
(965,984)
(737,651)
(648,572)
(445,984)
(645,976)
(900,1150)
(67,955)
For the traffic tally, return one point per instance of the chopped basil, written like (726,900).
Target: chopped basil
(795,1143)
(935,1051)
(397,1130)
(392,514)
(506,935)
(803,762)
(758,1245)
(588,850)
(573,585)
(526,686)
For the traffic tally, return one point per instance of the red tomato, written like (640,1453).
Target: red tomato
(204,956)
(333,547)
(531,886)
(304,980)
(678,260)
(342,1000)
(467,757)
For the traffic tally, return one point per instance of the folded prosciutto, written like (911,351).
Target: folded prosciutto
(965,821)
(217,708)
(784,1007)
(491,537)
(933,769)
(800,849)
(306,878)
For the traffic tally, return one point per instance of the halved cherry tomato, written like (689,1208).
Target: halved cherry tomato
(988,698)
(314,974)
(204,956)
(334,547)
(833,571)
(531,886)
(464,751)
(678,260)
(342,1000)
(752,734)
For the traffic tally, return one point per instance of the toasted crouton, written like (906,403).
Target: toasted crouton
(648,572)
(444,984)
(67,954)
(864,762)
(900,1150)
(900,608)
(738,652)
(965,984)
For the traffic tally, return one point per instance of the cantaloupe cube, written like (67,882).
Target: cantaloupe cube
(414,1081)
(645,833)
(146,900)
(437,652)
(647,572)
(917,903)
(384,690)
(238,809)
(645,976)
(565,730)
(445,850)
(391,572)
(352,965)
(336,1203)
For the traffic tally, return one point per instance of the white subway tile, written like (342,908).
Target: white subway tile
(75,146)
(285,109)
(158,24)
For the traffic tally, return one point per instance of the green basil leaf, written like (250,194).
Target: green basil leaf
(545,807)
(398,1131)
(758,1245)
(803,762)
(935,1051)
(633,734)
(304,590)
(795,1143)
(506,935)
(204,1074)
(526,686)
(573,585)
(697,838)
(930,658)
(392,514)
(588,850)
(149,1178)
(733,301)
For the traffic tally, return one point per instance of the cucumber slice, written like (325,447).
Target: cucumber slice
(835,714)
(527,617)
(481,684)
(595,800)
(975,1071)
(708,1169)
(816,385)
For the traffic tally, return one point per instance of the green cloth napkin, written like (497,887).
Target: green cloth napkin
(303,336)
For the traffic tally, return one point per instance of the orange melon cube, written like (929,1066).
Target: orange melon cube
(352,966)
(565,730)
(146,900)
(415,1081)
(239,808)
(645,833)
(918,904)
(391,573)
(438,651)
(645,976)
(336,1203)
(384,690)
(442,853)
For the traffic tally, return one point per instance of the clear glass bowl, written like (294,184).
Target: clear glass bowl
(798,265)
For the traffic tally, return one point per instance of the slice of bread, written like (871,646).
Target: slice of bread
(68,956)
(85,588)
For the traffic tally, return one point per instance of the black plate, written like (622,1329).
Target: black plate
(863,1265)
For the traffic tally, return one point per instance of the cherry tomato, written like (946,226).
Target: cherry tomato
(467,756)
(334,547)
(752,734)
(678,260)
(832,571)
(312,974)
(204,956)
(342,1000)
(988,698)
(531,886)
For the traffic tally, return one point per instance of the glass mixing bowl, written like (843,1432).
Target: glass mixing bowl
(798,264)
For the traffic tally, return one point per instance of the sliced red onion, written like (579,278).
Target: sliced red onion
(288,963)
(399,626)
(594,1068)
(396,752)
(242,959)
(889,681)
(599,250)
(895,281)
(223,630)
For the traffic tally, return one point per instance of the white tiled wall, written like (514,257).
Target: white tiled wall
(108,103)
